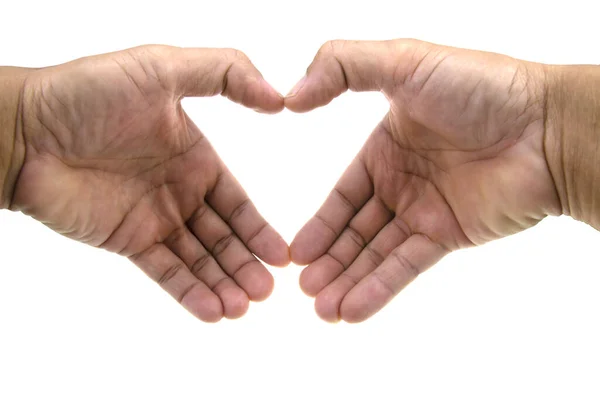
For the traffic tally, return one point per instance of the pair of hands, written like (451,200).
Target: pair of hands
(112,160)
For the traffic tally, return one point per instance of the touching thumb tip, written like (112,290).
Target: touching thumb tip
(297,87)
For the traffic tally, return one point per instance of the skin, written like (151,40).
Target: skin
(105,154)
(475,146)
(459,159)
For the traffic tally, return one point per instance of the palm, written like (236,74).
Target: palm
(471,127)
(457,161)
(114,146)
(114,161)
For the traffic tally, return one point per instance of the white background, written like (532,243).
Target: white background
(517,318)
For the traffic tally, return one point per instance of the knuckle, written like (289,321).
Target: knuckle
(219,281)
(354,280)
(256,232)
(242,266)
(239,210)
(222,244)
(330,47)
(158,51)
(236,55)
(169,273)
(198,215)
(177,235)
(403,228)
(406,42)
(337,260)
(356,237)
(199,264)
(345,200)
(385,283)
(375,256)
(404,264)
(186,291)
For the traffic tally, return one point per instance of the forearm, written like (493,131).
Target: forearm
(572,140)
(12,149)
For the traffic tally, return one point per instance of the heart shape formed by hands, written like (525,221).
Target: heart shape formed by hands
(110,158)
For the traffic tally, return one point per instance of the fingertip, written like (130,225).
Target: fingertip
(317,89)
(319,274)
(353,312)
(235,303)
(297,87)
(299,99)
(264,289)
(207,308)
(280,255)
(309,244)
(247,87)
(297,104)
(307,283)
(268,112)
(290,105)
(270,247)
(300,247)
(299,253)
(296,253)
(364,300)
(327,308)
(269,101)
(259,282)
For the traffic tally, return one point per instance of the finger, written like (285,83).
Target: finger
(231,202)
(208,72)
(327,303)
(402,266)
(350,193)
(231,254)
(171,273)
(359,232)
(201,263)
(341,65)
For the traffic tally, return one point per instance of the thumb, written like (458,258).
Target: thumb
(195,72)
(356,65)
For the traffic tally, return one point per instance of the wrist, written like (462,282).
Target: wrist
(572,139)
(12,147)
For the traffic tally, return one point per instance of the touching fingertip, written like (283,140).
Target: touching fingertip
(267,99)
(270,247)
(297,87)
(313,240)
(301,253)
(272,92)
(279,255)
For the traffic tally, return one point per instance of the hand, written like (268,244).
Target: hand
(458,160)
(112,160)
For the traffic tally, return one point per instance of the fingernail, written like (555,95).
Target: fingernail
(297,87)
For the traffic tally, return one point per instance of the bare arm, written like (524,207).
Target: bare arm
(11,147)
(573,139)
